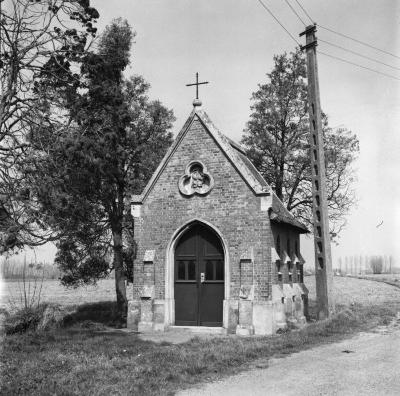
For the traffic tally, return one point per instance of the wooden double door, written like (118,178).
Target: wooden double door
(199,278)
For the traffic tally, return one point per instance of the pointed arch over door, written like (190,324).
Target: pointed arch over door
(199,278)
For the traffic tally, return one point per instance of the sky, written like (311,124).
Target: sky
(231,44)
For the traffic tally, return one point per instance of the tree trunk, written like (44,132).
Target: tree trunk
(120,278)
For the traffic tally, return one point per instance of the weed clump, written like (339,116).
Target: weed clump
(24,319)
(40,317)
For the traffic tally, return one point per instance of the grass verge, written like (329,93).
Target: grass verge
(92,362)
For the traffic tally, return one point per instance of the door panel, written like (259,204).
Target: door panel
(199,278)
(186,305)
(211,304)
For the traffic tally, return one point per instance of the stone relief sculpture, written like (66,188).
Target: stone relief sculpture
(196,180)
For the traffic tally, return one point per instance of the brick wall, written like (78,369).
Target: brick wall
(231,206)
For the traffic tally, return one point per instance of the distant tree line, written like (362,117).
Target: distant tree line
(358,264)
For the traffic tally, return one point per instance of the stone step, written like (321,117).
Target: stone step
(199,329)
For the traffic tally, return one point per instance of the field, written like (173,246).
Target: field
(347,290)
(12,290)
(91,359)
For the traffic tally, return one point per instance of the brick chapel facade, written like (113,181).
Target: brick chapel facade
(215,246)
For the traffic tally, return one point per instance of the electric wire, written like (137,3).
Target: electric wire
(358,54)
(294,11)
(358,41)
(356,64)
(277,20)
(304,10)
(345,35)
(332,56)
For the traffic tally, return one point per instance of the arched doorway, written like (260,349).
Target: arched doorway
(199,278)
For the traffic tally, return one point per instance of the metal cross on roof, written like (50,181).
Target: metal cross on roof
(197,83)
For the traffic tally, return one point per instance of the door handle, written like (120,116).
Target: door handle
(202,277)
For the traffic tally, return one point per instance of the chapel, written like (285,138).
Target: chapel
(216,249)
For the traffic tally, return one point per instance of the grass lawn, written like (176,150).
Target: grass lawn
(90,359)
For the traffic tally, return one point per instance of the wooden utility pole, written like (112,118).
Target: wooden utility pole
(322,246)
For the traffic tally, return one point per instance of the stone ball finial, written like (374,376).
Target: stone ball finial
(197,103)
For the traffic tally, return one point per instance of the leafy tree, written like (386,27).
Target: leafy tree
(38,38)
(276,137)
(85,173)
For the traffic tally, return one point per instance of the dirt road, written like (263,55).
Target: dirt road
(367,364)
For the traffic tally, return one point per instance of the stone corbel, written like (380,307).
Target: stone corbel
(136,206)
(265,201)
(148,257)
(147,292)
(246,292)
(247,255)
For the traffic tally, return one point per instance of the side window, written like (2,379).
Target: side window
(278,245)
(300,274)
(289,253)
(278,270)
(278,262)
(296,248)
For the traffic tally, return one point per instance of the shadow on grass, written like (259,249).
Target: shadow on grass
(102,312)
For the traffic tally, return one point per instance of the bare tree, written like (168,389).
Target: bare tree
(39,40)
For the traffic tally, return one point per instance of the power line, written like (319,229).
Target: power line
(277,20)
(304,10)
(358,41)
(345,35)
(298,16)
(356,64)
(332,56)
(358,54)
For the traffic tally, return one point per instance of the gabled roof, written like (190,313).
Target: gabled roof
(237,156)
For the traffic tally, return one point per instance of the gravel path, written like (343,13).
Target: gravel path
(367,364)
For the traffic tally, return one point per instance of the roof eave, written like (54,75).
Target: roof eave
(300,227)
